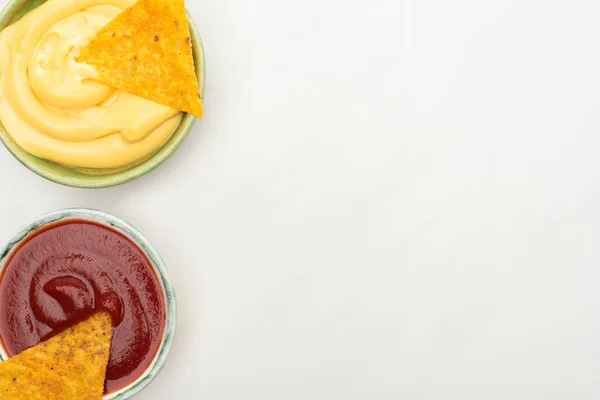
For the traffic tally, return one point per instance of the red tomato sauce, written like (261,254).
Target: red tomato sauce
(67,271)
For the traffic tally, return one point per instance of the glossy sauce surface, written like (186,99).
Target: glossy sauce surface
(67,271)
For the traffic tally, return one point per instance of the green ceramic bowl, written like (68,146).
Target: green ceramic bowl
(98,178)
(160,269)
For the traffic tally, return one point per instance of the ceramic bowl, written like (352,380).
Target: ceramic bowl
(100,178)
(160,269)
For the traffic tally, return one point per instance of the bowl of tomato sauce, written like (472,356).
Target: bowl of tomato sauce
(69,264)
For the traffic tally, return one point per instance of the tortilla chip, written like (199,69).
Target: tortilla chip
(147,51)
(71,365)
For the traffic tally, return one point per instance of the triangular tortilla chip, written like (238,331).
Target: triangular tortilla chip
(147,51)
(71,365)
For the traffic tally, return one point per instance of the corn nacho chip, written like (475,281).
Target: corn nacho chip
(147,51)
(71,365)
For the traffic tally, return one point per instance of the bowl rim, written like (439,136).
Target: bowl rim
(151,253)
(69,177)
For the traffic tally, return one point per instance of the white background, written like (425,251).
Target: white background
(386,199)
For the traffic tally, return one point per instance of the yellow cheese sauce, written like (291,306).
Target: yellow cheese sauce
(55,108)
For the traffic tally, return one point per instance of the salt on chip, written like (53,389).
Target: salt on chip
(71,365)
(147,51)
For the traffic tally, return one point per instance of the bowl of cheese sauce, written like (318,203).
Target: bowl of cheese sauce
(57,119)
